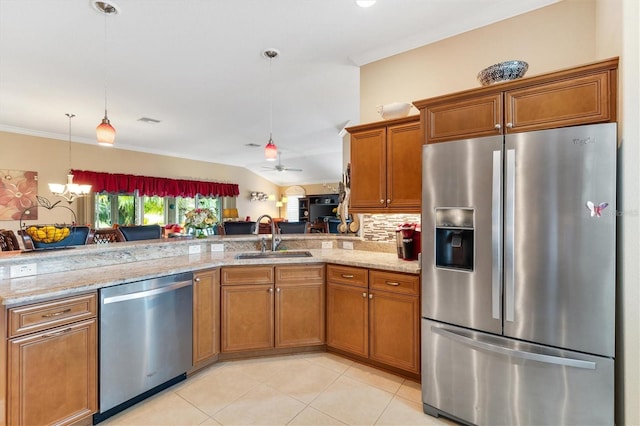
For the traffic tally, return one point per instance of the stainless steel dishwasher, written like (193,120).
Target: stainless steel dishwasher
(145,339)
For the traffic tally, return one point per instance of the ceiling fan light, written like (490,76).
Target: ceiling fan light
(270,151)
(365,3)
(105,132)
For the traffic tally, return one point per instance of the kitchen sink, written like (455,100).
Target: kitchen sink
(273,255)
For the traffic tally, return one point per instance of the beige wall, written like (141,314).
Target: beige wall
(50,158)
(561,35)
(557,36)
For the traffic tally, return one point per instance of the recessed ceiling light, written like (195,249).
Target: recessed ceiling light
(365,3)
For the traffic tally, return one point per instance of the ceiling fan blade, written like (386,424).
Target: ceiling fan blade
(292,170)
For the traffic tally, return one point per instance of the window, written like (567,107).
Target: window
(293,212)
(115,209)
(132,209)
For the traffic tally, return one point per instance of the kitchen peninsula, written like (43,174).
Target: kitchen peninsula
(52,317)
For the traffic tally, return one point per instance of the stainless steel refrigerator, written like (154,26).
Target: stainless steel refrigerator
(518,277)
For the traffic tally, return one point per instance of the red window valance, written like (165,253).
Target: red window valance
(148,185)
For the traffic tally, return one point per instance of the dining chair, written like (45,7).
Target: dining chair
(8,240)
(106,236)
(78,236)
(293,227)
(140,232)
(238,228)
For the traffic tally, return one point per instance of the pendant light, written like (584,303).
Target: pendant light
(69,191)
(105,132)
(271,150)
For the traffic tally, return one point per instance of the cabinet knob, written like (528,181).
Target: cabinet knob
(509,125)
(381,201)
(278,290)
(370,296)
(197,279)
(271,290)
(388,200)
(364,295)
(497,126)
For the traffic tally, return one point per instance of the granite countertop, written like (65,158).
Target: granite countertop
(17,291)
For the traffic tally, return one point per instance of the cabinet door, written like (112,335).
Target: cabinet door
(206,315)
(368,169)
(246,317)
(300,313)
(569,102)
(395,330)
(300,305)
(464,119)
(404,167)
(52,375)
(347,318)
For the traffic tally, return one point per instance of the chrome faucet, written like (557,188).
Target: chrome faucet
(275,241)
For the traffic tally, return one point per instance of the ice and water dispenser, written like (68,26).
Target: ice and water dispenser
(454,238)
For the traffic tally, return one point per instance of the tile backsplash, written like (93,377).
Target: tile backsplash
(382,227)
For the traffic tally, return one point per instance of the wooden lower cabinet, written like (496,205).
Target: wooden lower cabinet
(206,315)
(247,317)
(299,314)
(394,330)
(290,312)
(348,318)
(52,375)
(380,322)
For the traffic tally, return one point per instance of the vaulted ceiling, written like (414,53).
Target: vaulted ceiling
(197,66)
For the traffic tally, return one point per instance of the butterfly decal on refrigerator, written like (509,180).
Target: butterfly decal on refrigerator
(596,210)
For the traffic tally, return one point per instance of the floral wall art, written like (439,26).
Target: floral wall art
(18,191)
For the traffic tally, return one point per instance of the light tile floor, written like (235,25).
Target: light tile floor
(307,389)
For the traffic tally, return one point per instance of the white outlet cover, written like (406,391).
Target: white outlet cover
(347,245)
(24,270)
(195,249)
(327,244)
(217,247)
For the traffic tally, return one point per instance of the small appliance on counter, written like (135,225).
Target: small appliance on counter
(408,241)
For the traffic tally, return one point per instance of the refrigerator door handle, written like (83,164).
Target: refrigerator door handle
(509,231)
(496,240)
(531,356)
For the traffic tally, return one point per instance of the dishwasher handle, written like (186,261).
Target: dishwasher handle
(146,293)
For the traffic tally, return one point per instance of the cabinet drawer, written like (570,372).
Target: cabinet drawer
(395,282)
(300,274)
(347,275)
(247,275)
(54,313)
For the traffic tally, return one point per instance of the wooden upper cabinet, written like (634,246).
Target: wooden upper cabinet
(368,168)
(386,166)
(404,167)
(466,118)
(580,95)
(571,102)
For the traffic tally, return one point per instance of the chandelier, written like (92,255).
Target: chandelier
(69,191)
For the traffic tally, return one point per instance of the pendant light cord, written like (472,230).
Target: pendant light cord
(70,117)
(106,61)
(270,101)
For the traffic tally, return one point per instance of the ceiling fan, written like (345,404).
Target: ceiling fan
(280,167)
